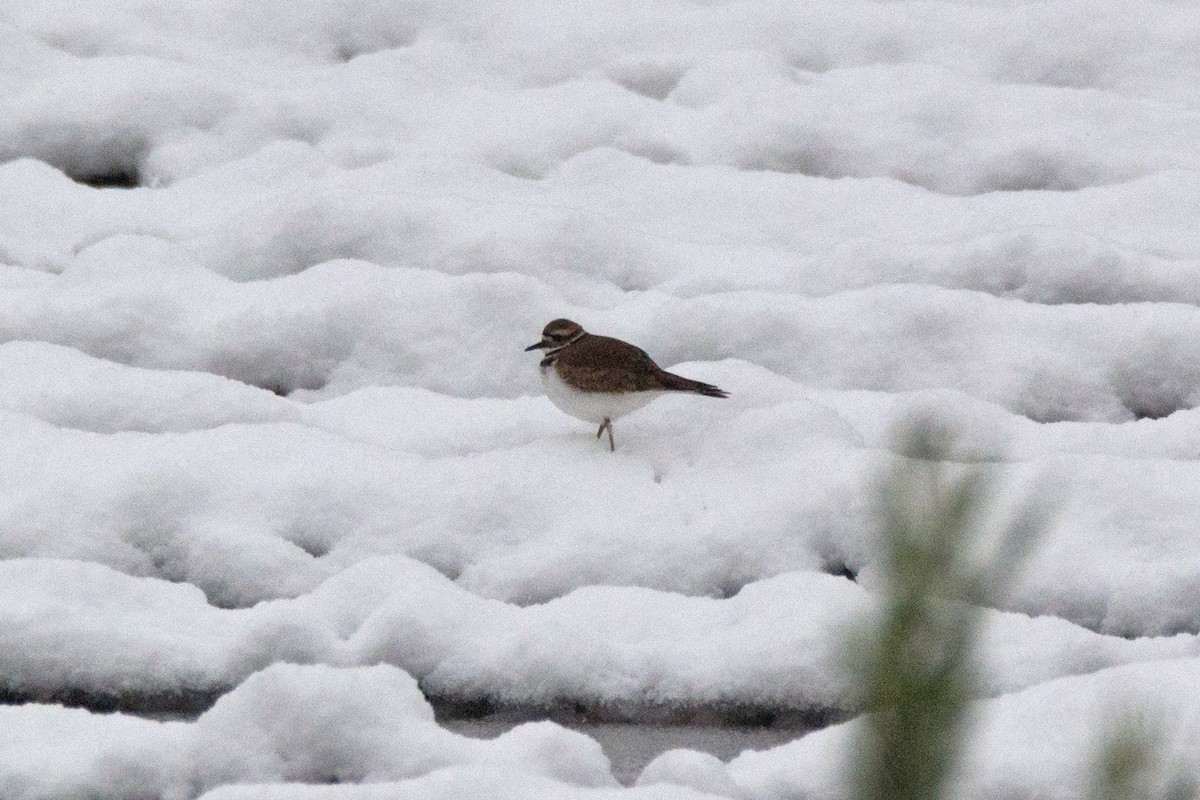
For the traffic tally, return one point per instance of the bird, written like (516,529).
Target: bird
(598,379)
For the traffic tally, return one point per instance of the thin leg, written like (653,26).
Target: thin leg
(607,426)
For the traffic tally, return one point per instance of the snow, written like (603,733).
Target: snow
(1039,742)
(286,723)
(267,270)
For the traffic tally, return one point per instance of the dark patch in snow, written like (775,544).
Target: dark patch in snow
(802,66)
(280,385)
(347,52)
(1056,70)
(1152,405)
(813,154)
(117,178)
(728,590)
(450,570)
(840,569)
(657,153)
(314,548)
(399,33)
(1096,617)
(653,80)
(163,703)
(106,161)
(523,169)
(224,598)
(1152,411)
(1048,416)
(1157,392)
(1036,170)
(569,712)
(454,708)
(824,154)
(186,704)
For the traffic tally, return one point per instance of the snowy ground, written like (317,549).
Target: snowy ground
(267,269)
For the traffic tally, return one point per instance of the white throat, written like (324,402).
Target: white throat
(572,340)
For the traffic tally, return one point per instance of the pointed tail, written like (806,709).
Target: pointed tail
(678,383)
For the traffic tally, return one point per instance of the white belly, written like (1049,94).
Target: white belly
(592,406)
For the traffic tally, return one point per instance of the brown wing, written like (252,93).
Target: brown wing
(601,364)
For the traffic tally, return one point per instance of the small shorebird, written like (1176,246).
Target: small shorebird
(597,379)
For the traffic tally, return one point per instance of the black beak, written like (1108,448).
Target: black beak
(538,346)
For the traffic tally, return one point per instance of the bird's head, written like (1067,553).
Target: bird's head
(558,334)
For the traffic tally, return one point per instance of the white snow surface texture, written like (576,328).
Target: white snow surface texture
(269,430)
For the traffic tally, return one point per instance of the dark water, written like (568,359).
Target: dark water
(631,740)
(631,746)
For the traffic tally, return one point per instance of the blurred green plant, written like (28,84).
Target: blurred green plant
(947,554)
(1131,765)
